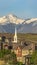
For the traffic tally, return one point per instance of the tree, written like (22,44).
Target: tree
(14,58)
(2,41)
(8,57)
(34,58)
(19,63)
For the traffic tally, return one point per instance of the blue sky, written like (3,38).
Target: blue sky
(21,8)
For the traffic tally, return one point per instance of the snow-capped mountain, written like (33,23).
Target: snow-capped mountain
(10,19)
(8,23)
(29,26)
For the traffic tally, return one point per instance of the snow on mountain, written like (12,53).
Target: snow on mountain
(10,19)
(35,23)
(31,20)
(28,28)
(14,19)
(3,20)
(8,23)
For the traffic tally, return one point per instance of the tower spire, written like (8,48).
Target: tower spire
(15,31)
(15,36)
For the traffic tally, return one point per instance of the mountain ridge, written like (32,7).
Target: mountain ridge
(9,22)
(10,19)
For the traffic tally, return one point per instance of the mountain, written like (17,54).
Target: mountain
(9,22)
(29,26)
(10,19)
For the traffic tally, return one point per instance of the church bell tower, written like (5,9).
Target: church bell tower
(15,36)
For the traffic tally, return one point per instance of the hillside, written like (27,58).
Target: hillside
(21,37)
(9,22)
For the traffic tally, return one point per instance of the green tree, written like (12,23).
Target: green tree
(3,53)
(34,58)
(8,57)
(19,63)
(2,41)
(13,59)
